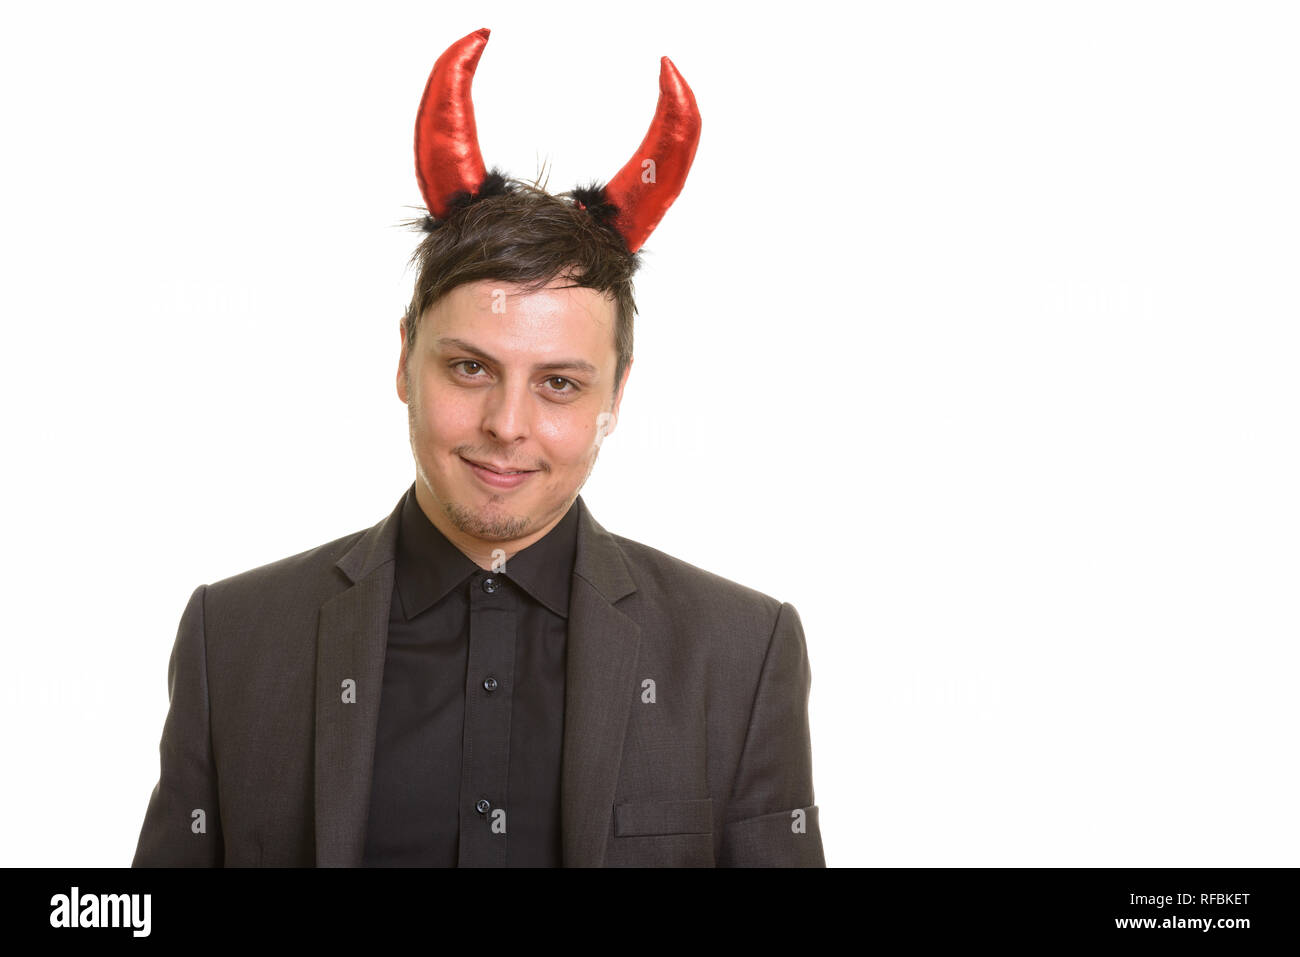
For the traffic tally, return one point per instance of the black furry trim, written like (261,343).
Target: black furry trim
(494,184)
(592,199)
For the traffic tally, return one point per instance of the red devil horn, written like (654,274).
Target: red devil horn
(447,157)
(649,182)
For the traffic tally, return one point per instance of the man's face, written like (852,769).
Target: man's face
(511,381)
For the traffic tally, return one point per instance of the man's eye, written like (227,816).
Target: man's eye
(559,384)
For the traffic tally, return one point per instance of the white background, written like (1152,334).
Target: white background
(972,335)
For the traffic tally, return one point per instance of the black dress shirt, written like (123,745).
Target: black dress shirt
(471,718)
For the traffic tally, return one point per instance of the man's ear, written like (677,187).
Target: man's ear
(401,363)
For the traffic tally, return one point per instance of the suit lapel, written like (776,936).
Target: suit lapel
(352,639)
(600,683)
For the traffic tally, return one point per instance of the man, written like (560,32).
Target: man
(488,677)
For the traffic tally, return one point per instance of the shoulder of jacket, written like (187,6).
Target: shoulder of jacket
(681,579)
(302,566)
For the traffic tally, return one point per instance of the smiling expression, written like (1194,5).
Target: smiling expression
(515,382)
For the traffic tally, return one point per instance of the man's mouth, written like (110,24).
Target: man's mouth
(499,469)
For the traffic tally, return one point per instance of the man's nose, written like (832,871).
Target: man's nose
(506,414)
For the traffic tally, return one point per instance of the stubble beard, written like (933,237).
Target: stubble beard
(466,520)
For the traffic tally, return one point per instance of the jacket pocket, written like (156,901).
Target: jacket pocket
(663,817)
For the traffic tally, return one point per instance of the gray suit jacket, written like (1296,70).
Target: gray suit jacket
(711,764)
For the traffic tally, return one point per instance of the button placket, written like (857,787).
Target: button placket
(485,761)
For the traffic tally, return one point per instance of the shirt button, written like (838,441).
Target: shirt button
(490,684)
(483,806)
(490,585)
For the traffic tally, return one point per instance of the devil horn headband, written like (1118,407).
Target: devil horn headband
(449,166)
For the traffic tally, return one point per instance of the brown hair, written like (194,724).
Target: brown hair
(528,237)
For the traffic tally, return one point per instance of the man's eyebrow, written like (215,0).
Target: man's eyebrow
(580,365)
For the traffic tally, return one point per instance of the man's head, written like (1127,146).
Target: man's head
(518,340)
(515,350)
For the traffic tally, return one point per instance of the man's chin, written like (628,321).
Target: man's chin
(490,522)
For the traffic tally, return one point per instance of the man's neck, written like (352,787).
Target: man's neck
(484,553)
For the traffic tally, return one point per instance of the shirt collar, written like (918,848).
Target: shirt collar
(429,565)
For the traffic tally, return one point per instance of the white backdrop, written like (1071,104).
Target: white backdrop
(972,335)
